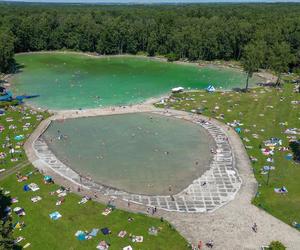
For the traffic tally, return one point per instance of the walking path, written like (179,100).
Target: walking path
(14,169)
(229,226)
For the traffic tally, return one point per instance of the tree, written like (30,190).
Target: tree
(6,52)
(252,59)
(6,227)
(280,59)
(277,245)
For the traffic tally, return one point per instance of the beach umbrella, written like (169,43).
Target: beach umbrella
(26,188)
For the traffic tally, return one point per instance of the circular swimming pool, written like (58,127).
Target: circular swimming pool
(141,153)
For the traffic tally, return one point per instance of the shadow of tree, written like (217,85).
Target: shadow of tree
(295,147)
(18,68)
(6,224)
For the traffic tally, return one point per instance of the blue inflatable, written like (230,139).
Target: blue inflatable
(6,97)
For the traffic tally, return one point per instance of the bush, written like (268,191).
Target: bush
(172,57)
(277,245)
(7,104)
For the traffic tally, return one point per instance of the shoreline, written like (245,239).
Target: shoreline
(233,65)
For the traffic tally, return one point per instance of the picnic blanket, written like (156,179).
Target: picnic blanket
(107,211)
(36,199)
(80,235)
(19,211)
(94,232)
(128,248)
(282,190)
(122,234)
(55,215)
(137,239)
(34,187)
(83,200)
(102,245)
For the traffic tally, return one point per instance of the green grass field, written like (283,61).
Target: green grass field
(260,111)
(14,122)
(42,232)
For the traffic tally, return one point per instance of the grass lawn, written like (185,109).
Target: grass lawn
(18,120)
(44,233)
(261,111)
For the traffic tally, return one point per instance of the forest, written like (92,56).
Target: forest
(261,35)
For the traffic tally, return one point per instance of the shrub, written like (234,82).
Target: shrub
(277,245)
(172,57)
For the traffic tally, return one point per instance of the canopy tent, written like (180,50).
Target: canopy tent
(210,88)
(26,188)
(177,89)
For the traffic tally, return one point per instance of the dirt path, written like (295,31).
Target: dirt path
(14,169)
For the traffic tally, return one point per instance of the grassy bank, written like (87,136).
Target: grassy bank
(16,121)
(262,113)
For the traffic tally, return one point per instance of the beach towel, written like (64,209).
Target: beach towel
(94,232)
(83,201)
(102,245)
(128,248)
(55,215)
(282,190)
(19,211)
(18,239)
(122,234)
(19,137)
(107,211)
(80,235)
(138,239)
(36,199)
(26,245)
(34,187)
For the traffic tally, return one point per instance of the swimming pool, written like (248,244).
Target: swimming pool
(142,153)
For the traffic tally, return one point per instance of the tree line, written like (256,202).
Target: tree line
(260,35)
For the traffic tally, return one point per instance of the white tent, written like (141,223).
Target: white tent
(210,88)
(177,90)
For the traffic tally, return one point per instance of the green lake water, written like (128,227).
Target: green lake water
(139,153)
(70,81)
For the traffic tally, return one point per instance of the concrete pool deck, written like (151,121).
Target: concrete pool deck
(216,187)
(229,226)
